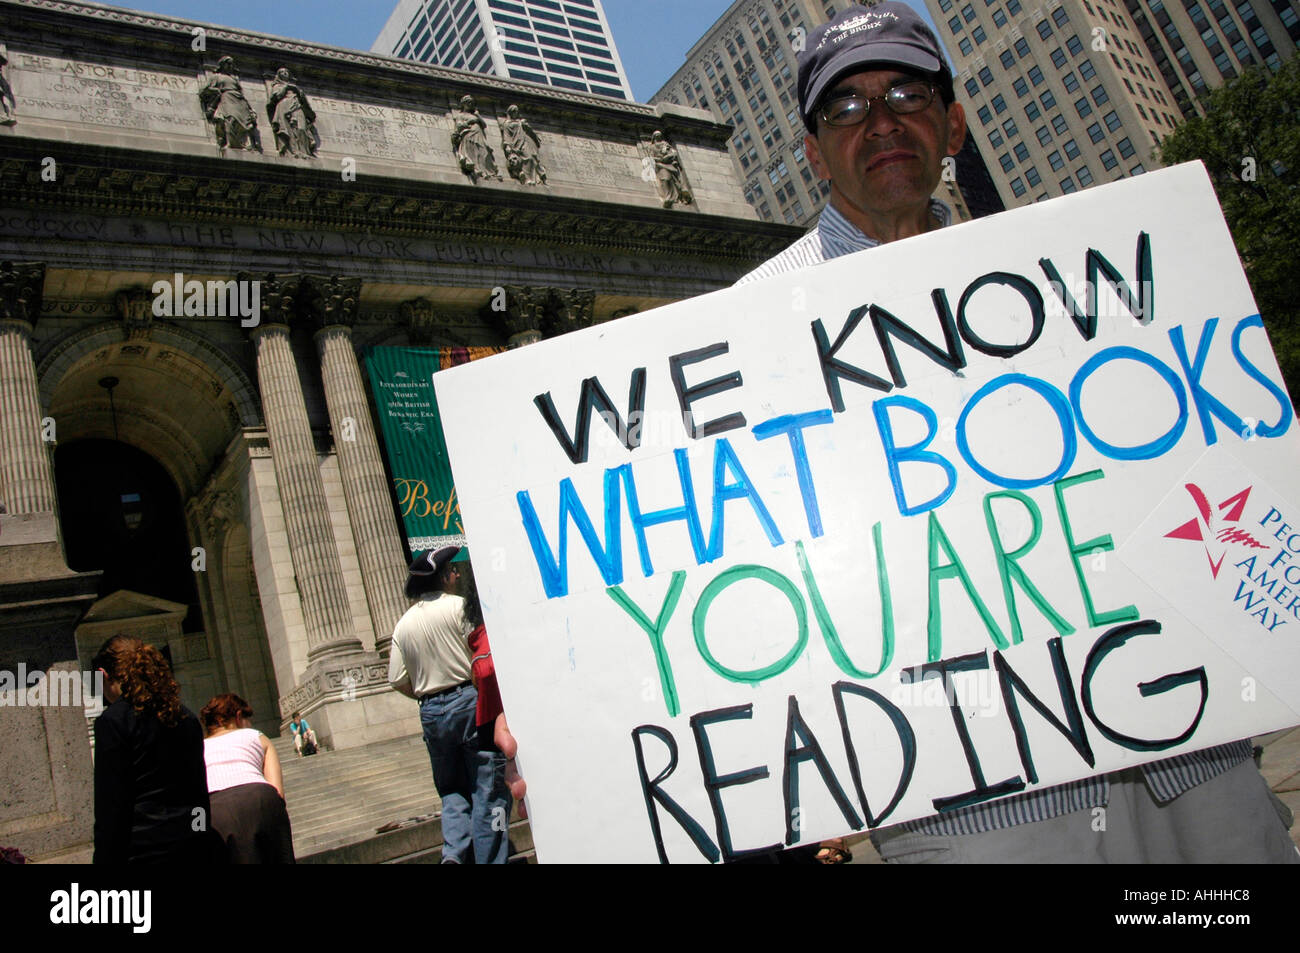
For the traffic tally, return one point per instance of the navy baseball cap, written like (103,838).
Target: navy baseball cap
(888,34)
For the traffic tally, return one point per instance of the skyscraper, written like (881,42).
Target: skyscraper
(566,45)
(1198,44)
(1074,92)
(743,71)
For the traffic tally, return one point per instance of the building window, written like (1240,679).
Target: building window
(1035,75)
(1099,95)
(1058,57)
(1018,187)
(1071,149)
(1074,46)
(1084,176)
(954,25)
(1108,160)
(1006,162)
(1022,152)
(1022,47)
(1048,100)
(995,139)
(985,114)
(1013,7)
(978,33)
(1067,185)
(1032,112)
(1032,176)
(985,75)
(1009,127)
(1055,160)
(1059,125)
(1086,70)
(999,18)
(1059,17)
(965,45)
(1044,29)
(1083,106)
(1125,147)
(1112,120)
(1044,137)
(968,13)
(1007,58)
(1021,87)
(999,104)
(1071,82)
(1095,133)
(972,88)
(1136,170)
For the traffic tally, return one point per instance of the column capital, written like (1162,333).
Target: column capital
(22,285)
(279,296)
(420,318)
(570,309)
(524,313)
(330,300)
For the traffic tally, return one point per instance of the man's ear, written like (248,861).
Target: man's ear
(956,128)
(814,153)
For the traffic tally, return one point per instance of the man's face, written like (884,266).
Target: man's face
(887,164)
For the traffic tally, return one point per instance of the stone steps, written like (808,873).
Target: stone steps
(338,799)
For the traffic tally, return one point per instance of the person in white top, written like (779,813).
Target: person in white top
(245,785)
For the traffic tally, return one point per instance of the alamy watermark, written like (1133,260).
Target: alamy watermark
(58,689)
(211,299)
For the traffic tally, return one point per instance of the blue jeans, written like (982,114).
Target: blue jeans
(471,783)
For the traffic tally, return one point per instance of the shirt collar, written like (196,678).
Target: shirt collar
(839,236)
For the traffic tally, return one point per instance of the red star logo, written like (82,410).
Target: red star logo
(1201,528)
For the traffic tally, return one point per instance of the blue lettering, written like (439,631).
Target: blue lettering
(1284,420)
(1055,399)
(724,459)
(687,512)
(913,454)
(1207,405)
(792,426)
(1145,451)
(609,557)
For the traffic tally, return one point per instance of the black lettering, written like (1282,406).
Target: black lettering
(652,793)
(1115,638)
(713,783)
(887,325)
(1011,683)
(906,738)
(1143,309)
(593,397)
(833,368)
(688,395)
(1027,290)
(808,749)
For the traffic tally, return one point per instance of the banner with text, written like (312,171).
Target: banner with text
(995,508)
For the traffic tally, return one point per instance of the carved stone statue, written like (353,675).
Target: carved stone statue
(8,105)
(469,141)
(227,109)
(292,117)
(668,172)
(522,148)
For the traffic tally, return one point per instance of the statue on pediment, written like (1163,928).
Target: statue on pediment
(8,105)
(292,118)
(523,149)
(227,108)
(469,142)
(668,172)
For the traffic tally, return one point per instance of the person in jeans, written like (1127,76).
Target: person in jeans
(430,662)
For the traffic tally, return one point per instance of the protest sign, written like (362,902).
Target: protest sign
(995,508)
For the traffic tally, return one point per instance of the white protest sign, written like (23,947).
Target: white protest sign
(995,508)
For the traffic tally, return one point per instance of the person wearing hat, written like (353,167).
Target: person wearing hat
(876,96)
(430,661)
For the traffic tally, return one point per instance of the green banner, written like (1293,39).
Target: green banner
(401,379)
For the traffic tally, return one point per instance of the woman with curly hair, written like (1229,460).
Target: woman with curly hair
(151,791)
(245,784)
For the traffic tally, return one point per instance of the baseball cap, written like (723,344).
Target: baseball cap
(887,34)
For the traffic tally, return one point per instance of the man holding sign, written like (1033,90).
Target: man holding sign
(877,98)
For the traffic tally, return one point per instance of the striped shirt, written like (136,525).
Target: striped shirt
(831,237)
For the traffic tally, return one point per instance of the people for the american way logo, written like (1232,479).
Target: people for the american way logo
(1218,530)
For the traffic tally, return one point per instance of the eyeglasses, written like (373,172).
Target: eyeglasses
(852,109)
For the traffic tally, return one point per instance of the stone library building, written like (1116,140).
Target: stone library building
(212,245)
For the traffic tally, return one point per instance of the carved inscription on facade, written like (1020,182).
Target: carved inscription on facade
(381,132)
(70,91)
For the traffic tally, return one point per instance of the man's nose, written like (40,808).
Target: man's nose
(881,120)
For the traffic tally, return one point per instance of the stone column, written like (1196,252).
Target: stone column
(297,473)
(365,484)
(26,478)
(523,315)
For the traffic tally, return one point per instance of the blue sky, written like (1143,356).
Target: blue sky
(652,36)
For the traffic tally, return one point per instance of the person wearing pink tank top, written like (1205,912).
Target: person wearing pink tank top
(245,785)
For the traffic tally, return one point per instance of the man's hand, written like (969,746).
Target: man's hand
(506,742)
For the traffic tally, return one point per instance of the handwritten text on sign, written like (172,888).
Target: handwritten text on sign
(926,526)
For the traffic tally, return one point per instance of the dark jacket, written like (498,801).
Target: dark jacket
(151,789)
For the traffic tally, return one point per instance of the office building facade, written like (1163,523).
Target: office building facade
(743,71)
(562,44)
